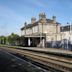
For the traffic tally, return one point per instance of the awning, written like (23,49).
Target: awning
(36,35)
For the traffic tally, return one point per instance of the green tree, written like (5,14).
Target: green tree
(2,40)
(13,39)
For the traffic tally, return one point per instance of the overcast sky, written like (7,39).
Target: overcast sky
(13,13)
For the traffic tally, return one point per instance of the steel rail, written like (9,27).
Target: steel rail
(46,50)
(59,58)
(12,63)
(57,63)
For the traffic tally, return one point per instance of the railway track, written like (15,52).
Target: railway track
(12,63)
(60,63)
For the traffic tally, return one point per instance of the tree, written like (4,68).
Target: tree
(13,39)
(2,40)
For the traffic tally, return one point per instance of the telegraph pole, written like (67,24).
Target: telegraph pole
(25,27)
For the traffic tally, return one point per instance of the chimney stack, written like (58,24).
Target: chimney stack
(42,17)
(33,20)
(54,19)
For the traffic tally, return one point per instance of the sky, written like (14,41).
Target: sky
(13,13)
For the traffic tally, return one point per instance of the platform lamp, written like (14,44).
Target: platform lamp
(42,22)
(39,24)
(62,37)
(41,33)
(70,33)
(56,33)
(70,28)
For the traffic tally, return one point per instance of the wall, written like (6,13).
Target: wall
(35,29)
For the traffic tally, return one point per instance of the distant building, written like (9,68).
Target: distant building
(42,32)
(66,32)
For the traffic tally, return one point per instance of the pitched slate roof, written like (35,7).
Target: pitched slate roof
(51,21)
(36,23)
(29,25)
(65,28)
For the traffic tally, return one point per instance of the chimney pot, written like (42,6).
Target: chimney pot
(54,19)
(33,20)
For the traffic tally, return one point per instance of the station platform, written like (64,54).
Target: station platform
(11,63)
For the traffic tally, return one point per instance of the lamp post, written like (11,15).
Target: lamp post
(42,33)
(56,33)
(68,38)
(70,34)
(25,27)
(62,38)
(42,36)
(70,28)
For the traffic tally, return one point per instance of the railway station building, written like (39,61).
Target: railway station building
(66,36)
(42,32)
